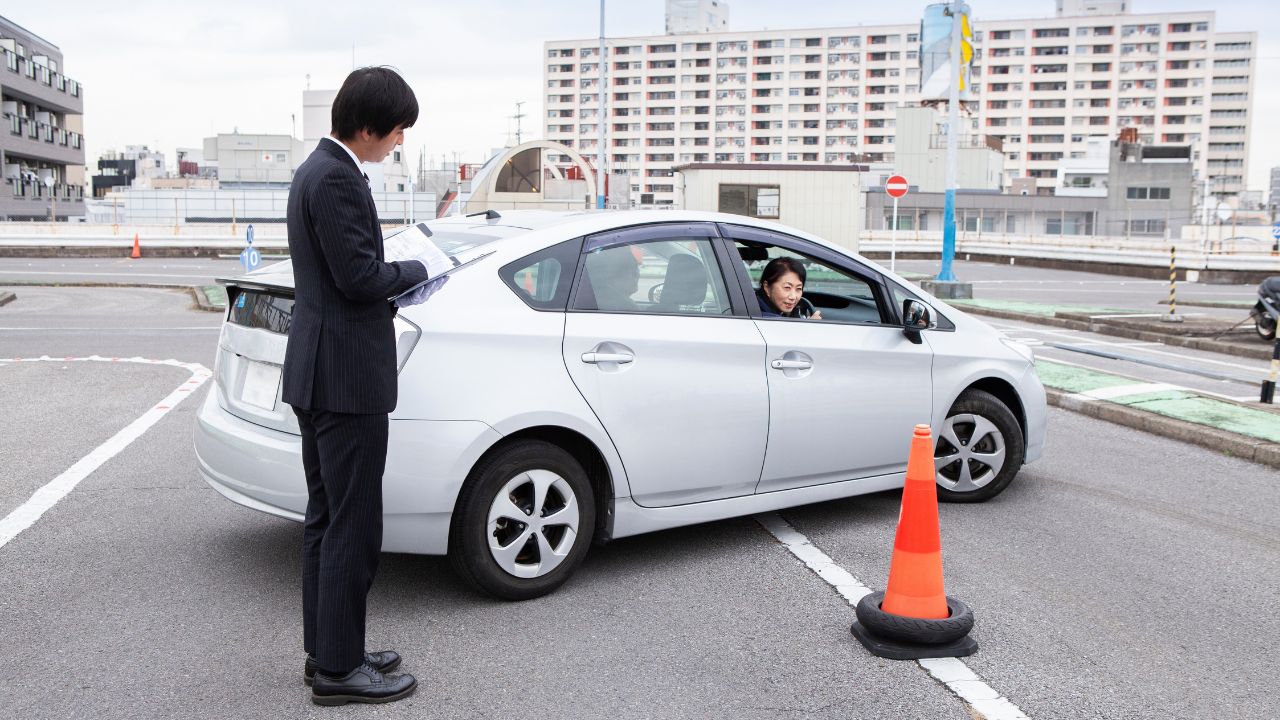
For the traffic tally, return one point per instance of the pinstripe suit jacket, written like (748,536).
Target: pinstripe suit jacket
(341,354)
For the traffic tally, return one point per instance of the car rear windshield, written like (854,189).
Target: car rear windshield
(259,309)
(408,243)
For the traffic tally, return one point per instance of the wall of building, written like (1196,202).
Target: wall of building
(253,159)
(42,129)
(921,153)
(1128,169)
(824,201)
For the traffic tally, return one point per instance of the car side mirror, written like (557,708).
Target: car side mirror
(916,316)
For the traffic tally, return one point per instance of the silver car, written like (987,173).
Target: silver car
(590,376)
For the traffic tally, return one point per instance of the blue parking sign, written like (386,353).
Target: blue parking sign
(1275,231)
(250,258)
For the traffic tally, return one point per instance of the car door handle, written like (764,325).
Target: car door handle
(791,365)
(593,358)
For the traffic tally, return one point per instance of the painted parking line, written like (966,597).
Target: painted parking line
(46,497)
(951,672)
(78,273)
(124,329)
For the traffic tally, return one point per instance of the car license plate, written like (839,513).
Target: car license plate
(261,381)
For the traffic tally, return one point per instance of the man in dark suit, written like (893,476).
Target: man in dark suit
(340,378)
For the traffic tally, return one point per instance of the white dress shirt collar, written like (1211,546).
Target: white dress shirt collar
(354,159)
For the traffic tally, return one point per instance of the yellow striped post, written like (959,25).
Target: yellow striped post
(1173,315)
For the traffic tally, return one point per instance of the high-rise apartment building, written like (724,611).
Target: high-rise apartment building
(41,147)
(1043,87)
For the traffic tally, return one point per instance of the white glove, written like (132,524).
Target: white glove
(435,261)
(419,296)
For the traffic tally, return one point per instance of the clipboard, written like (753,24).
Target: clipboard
(457,265)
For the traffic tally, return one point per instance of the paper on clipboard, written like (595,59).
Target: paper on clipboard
(419,293)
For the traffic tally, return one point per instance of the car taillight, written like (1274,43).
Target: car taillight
(407,335)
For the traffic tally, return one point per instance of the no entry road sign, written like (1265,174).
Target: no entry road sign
(896,186)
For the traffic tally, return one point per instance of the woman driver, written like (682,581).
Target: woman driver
(782,288)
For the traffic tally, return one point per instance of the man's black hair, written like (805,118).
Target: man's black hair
(376,99)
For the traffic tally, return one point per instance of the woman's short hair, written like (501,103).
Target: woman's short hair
(376,99)
(778,267)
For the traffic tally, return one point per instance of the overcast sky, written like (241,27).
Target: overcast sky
(167,73)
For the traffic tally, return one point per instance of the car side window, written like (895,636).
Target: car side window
(543,279)
(666,276)
(834,293)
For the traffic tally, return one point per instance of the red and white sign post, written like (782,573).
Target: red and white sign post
(896,186)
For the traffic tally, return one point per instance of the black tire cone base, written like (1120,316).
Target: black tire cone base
(894,650)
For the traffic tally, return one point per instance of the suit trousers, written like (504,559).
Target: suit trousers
(344,456)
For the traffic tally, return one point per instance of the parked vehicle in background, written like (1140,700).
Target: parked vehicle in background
(1266,312)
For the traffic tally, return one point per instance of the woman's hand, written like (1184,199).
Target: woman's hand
(817,315)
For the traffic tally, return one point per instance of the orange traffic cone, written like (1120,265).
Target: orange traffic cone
(137,253)
(914,618)
(528,283)
(915,572)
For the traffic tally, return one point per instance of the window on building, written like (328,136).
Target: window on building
(1147,193)
(761,201)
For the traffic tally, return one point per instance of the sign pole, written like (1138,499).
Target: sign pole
(945,273)
(896,186)
(893,238)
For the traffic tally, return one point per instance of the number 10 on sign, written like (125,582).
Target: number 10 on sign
(896,186)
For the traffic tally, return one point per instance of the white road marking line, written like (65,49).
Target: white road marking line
(101,274)
(951,672)
(1108,393)
(1193,391)
(46,497)
(1077,336)
(115,329)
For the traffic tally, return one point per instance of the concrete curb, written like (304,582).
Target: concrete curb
(203,303)
(1074,322)
(6,298)
(1225,442)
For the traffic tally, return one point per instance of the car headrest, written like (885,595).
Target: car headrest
(751,253)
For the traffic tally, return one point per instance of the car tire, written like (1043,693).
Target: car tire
(498,541)
(979,433)
(918,631)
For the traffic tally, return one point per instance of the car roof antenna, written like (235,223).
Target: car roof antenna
(488,215)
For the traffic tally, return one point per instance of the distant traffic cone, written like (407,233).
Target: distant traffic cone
(913,618)
(137,252)
(915,572)
(528,283)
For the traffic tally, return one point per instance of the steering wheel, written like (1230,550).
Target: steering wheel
(655,292)
(805,307)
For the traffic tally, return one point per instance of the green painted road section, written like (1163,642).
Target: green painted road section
(1040,309)
(217,295)
(1178,404)
(1070,378)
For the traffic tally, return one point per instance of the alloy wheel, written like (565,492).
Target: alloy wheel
(533,523)
(969,454)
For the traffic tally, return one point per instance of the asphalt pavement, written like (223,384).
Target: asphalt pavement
(1122,576)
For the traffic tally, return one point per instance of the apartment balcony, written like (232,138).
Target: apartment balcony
(26,79)
(27,137)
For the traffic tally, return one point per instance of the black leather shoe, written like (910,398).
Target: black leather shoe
(362,685)
(383,662)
